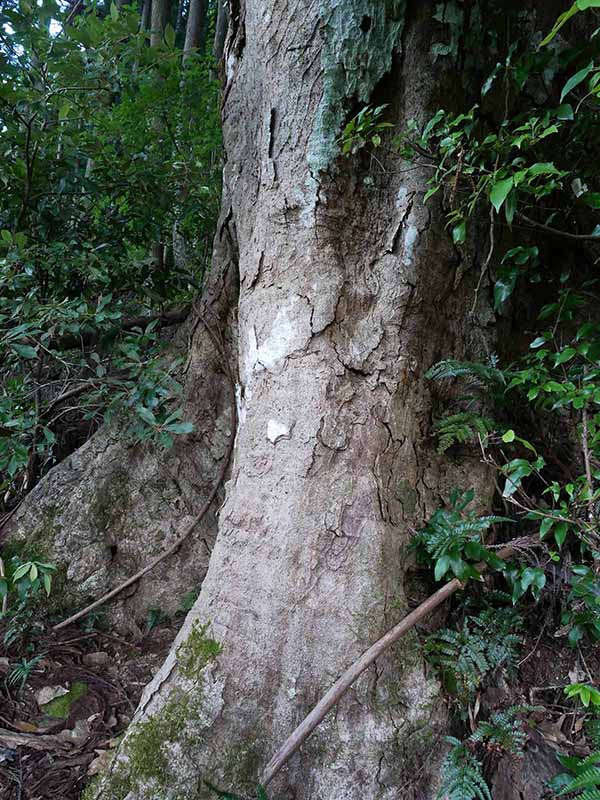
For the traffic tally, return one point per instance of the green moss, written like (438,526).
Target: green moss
(60,707)
(147,757)
(197,651)
(359,39)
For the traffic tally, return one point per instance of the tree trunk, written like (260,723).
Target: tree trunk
(146,15)
(350,289)
(158,20)
(221,29)
(195,27)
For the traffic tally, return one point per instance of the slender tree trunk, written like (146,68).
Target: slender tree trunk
(221,29)
(158,20)
(350,288)
(146,15)
(180,17)
(195,28)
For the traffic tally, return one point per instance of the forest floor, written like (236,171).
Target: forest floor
(63,710)
(60,724)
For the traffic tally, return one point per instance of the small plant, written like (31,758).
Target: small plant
(503,732)
(483,644)
(584,692)
(28,577)
(462,428)
(462,778)
(21,672)
(363,129)
(583,777)
(583,611)
(452,539)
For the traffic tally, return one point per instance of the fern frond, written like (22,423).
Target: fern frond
(591,760)
(503,730)
(462,778)
(481,373)
(461,428)
(592,729)
(590,779)
(589,794)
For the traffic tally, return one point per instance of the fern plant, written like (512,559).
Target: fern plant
(462,778)
(582,780)
(503,731)
(466,656)
(462,428)
(480,374)
(452,539)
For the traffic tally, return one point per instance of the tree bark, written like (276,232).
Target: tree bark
(221,29)
(350,289)
(195,27)
(158,20)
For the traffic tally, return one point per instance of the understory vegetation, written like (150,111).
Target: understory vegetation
(530,411)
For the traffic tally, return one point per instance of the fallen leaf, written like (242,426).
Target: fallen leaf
(49,693)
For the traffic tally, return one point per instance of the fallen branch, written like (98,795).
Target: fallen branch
(34,741)
(225,463)
(72,341)
(343,683)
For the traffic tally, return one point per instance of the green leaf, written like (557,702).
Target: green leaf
(146,415)
(33,573)
(170,36)
(441,567)
(459,232)
(509,436)
(114,12)
(47,579)
(21,571)
(560,533)
(576,79)
(181,427)
(537,342)
(24,350)
(565,112)
(500,191)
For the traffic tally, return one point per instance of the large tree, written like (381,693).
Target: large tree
(333,288)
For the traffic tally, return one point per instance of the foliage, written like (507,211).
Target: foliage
(462,778)
(21,672)
(452,539)
(24,591)
(503,731)
(365,129)
(484,643)
(462,428)
(462,775)
(110,187)
(587,694)
(583,777)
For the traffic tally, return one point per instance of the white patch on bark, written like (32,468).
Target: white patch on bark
(410,240)
(290,332)
(401,197)
(240,405)
(277,430)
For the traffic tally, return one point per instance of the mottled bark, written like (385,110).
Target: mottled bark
(350,288)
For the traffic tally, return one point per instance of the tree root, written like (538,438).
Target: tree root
(134,578)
